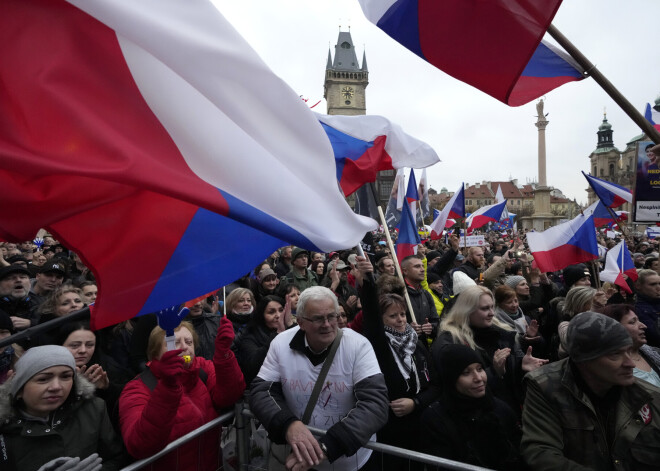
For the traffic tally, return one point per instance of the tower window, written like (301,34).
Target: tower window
(345,45)
(348,102)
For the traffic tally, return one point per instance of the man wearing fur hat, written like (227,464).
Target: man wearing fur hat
(588,411)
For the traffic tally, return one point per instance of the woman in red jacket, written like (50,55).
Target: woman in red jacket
(172,398)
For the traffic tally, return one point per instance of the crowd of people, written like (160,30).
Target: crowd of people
(469,353)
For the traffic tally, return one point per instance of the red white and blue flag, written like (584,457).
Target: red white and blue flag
(406,243)
(365,145)
(484,215)
(652,116)
(601,215)
(454,209)
(494,46)
(611,194)
(618,263)
(412,195)
(563,245)
(132,130)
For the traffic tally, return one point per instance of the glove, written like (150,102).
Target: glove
(168,368)
(225,336)
(65,463)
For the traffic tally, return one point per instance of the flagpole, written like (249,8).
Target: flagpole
(610,89)
(625,233)
(390,244)
(596,273)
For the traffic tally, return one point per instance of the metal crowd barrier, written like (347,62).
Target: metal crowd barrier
(243,416)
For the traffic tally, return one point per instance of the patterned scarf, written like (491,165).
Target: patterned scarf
(403,345)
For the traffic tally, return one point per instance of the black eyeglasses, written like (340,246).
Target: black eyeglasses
(320,320)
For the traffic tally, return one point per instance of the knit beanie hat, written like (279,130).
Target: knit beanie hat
(573,273)
(591,335)
(432,277)
(37,359)
(461,281)
(453,359)
(513,281)
(433,254)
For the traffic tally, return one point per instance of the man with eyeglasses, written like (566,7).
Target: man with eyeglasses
(352,405)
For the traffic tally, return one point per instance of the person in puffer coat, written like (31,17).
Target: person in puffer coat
(50,417)
(173,398)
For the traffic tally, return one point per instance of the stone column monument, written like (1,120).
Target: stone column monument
(542,217)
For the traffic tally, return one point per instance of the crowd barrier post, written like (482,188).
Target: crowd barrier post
(242,436)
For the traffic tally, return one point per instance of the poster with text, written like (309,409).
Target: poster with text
(647,184)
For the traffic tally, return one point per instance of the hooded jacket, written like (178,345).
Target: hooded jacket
(80,427)
(150,419)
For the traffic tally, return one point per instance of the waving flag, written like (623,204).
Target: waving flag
(412,195)
(505,223)
(455,208)
(618,263)
(601,215)
(611,194)
(406,243)
(652,116)
(395,203)
(494,46)
(365,145)
(129,129)
(482,216)
(563,245)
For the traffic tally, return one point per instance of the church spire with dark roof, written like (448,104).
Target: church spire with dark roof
(605,140)
(345,57)
(364,61)
(329,64)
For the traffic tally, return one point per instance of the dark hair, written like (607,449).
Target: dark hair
(258,314)
(350,314)
(617,311)
(390,284)
(649,261)
(286,289)
(71,327)
(315,265)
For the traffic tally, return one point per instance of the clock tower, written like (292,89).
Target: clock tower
(345,79)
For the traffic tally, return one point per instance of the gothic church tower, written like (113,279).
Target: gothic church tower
(345,79)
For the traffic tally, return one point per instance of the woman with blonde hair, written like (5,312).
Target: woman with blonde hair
(472,322)
(240,304)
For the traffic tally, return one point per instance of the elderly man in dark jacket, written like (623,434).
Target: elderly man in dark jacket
(588,412)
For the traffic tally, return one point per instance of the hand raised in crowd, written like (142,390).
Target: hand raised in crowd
(169,367)
(287,319)
(422,250)
(532,331)
(334,275)
(530,363)
(454,242)
(352,301)
(499,360)
(305,448)
(96,375)
(402,406)
(225,336)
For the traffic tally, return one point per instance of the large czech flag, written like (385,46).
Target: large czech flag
(151,139)
(563,245)
(494,46)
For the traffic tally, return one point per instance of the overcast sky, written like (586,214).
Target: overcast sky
(477,137)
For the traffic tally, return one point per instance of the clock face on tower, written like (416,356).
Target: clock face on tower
(347,92)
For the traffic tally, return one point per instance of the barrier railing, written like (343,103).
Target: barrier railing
(243,416)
